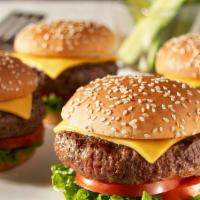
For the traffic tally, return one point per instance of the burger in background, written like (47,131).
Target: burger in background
(139,137)
(21,112)
(67,55)
(179,59)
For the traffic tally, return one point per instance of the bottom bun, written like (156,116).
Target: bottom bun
(22,157)
(52,118)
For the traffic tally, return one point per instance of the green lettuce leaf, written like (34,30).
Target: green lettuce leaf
(11,155)
(53,103)
(63,180)
(146,196)
(196,197)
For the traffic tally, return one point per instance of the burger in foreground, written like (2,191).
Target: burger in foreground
(179,59)
(21,112)
(67,55)
(127,137)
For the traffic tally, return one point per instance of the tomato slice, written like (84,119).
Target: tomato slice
(188,187)
(127,189)
(23,141)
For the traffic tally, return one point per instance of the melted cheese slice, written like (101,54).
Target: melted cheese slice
(150,150)
(53,67)
(21,107)
(190,82)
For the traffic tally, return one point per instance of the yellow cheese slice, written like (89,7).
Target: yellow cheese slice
(21,106)
(190,82)
(53,67)
(150,150)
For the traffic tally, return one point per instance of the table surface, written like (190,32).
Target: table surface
(32,181)
(111,13)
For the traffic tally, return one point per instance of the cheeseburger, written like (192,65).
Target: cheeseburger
(179,59)
(129,136)
(21,112)
(67,55)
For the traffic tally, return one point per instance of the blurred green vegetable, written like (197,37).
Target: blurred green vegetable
(53,103)
(196,198)
(156,22)
(11,155)
(139,8)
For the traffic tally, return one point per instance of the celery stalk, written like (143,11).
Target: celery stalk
(139,41)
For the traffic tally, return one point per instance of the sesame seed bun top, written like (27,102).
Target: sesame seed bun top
(180,57)
(66,39)
(136,107)
(16,78)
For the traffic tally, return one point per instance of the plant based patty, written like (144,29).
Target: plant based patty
(71,79)
(101,160)
(14,126)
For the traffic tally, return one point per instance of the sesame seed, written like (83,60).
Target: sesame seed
(103,119)
(117,118)
(113,130)
(123,123)
(147,136)
(163,106)
(125,112)
(141,119)
(130,108)
(107,123)
(155,130)
(198,111)
(173,116)
(133,123)
(165,119)
(124,132)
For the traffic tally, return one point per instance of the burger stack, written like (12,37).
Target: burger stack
(124,137)
(179,59)
(66,55)
(21,112)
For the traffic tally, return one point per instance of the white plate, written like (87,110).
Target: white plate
(32,180)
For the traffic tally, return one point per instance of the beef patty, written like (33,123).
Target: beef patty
(105,161)
(14,126)
(73,78)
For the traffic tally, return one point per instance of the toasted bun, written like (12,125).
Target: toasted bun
(180,57)
(137,107)
(16,78)
(22,157)
(52,118)
(66,39)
